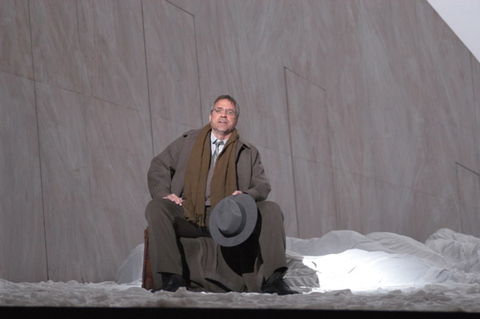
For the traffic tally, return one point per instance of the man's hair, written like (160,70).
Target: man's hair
(231,99)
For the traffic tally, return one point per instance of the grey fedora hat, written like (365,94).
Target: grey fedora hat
(233,219)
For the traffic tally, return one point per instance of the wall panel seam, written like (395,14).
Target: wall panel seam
(148,80)
(285,69)
(39,144)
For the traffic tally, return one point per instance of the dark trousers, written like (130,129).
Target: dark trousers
(166,224)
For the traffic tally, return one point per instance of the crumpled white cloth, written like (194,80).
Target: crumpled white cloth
(346,259)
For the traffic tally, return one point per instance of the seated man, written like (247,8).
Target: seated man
(190,177)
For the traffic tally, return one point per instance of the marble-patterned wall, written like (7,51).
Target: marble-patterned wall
(366,114)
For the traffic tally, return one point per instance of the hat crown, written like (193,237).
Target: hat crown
(231,218)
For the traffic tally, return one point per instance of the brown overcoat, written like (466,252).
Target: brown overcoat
(166,176)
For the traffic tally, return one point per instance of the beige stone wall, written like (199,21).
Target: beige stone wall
(366,114)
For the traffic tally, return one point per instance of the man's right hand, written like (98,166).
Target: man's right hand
(174,198)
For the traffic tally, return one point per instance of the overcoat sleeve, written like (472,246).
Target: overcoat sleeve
(251,174)
(163,168)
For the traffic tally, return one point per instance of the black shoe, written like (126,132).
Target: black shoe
(276,284)
(172,283)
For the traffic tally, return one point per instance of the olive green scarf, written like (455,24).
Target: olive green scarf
(224,180)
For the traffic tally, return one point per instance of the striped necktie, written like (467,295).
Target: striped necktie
(217,151)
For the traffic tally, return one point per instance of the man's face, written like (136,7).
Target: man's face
(221,121)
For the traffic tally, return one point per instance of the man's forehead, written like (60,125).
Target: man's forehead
(222,101)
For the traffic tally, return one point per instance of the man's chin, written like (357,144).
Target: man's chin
(219,130)
(222,132)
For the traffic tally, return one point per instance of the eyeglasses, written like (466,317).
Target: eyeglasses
(219,110)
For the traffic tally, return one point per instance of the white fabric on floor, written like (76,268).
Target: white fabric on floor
(340,270)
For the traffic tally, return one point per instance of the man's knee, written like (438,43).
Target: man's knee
(270,210)
(161,208)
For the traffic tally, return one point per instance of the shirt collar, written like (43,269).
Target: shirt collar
(213,139)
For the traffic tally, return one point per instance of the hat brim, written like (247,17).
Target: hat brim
(250,208)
